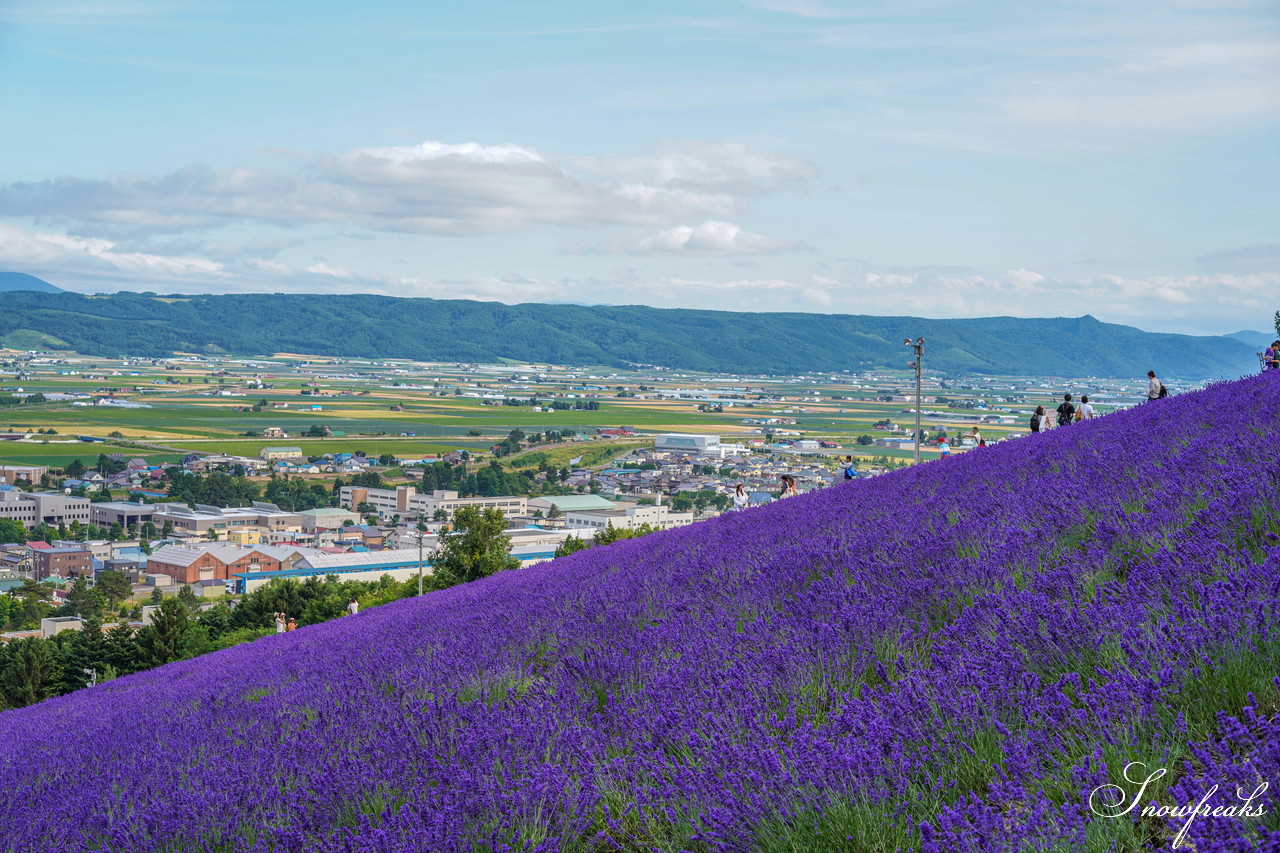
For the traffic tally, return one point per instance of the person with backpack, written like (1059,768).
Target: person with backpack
(1085,412)
(1155,388)
(977,436)
(850,472)
(1039,420)
(1066,411)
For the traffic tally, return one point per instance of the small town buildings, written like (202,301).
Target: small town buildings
(62,562)
(273,454)
(199,520)
(660,517)
(274,432)
(125,513)
(11,474)
(680,442)
(406,502)
(327,517)
(33,508)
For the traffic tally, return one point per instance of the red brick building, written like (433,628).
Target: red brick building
(217,562)
(61,562)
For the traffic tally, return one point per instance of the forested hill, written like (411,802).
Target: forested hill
(458,330)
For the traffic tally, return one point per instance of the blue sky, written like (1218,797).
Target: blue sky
(927,158)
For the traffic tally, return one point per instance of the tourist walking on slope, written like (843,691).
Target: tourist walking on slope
(279,623)
(740,497)
(1066,411)
(943,447)
(1085,412)
(353,607)
(1155,388)
(1039,421)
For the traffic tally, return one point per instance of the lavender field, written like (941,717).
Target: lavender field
(947,658)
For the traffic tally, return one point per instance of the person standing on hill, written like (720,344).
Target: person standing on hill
(943,447)
(1155,388)
(1038,420)
(353,607)
(789,489)
(977,436)
(740,497)
(1085,412)
(279,623)
(850,472)
(1066,411)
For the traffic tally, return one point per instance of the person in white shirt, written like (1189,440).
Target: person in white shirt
(352,607)
(1085,412)
(1153,386)
(740,497)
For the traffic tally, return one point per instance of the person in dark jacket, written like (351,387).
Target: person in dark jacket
(1066,411)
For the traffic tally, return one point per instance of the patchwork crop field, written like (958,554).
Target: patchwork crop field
(958,656)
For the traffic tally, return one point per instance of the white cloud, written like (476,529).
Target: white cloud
(95,257)
(431,187)
(711,238)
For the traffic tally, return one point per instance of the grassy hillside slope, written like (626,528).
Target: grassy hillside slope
(457,330)
(949,658)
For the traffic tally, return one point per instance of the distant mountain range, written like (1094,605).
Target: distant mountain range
(22,281)
(722,341)
(1260,340)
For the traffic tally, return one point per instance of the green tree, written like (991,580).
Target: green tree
(34,604)
(612,534)
(476,548)
(86,651)
(163,640)
(31,672)
(188,598)
(11,530)
(115,587)
(80,601)
(570,545)
(74,469)
(157,596)
(122,649)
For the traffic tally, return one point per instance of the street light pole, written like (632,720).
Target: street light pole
(419,562)
(917,347)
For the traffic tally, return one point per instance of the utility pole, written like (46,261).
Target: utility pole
(918,347)
(419,562)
